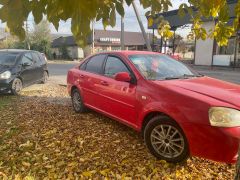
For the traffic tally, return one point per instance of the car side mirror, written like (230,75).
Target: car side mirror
(123,76)
(26,64)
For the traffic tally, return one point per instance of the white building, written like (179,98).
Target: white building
(208,53)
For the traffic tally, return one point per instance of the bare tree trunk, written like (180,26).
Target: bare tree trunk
(237,177)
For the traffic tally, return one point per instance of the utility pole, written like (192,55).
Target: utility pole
(93,36)
(122,34)
(141,26)
(174,38)
(27,33)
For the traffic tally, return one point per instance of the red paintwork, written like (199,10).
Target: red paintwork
(176,56)
(123,76)
(187,101)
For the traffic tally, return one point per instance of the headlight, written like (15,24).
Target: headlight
(5,75)
(224,117)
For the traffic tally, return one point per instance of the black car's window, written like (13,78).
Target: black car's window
(8,59)
(113,66)
(41,58)
(36,59)
(95,64)
(27,59)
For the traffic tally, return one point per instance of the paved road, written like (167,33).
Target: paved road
(58,73)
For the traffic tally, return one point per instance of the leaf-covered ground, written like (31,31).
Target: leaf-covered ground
(42,138)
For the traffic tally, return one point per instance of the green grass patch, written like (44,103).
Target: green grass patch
(5,100)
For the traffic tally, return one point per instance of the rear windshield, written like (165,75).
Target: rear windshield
(8,59)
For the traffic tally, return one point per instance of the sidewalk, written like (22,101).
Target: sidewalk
(62,62)
(226,74)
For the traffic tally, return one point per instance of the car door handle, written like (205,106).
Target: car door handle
(104,83)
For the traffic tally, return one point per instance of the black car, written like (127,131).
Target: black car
(21,68)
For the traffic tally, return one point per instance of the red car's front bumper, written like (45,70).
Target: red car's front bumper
(218,144)
(234,132)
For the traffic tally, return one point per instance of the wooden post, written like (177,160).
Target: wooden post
(174,34)
(122,34)
(153,40)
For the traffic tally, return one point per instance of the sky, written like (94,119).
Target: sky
(130,20)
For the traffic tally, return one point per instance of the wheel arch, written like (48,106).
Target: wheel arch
(150,115)
(18,77)
(45,70)
(73,88)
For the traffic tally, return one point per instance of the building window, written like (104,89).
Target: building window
(116,48)
(225,55)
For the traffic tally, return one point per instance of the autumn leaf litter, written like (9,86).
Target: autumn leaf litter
(42,138)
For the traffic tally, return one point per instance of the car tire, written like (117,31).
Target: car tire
(77,102)
(166,140)
(45,77)
(16,86)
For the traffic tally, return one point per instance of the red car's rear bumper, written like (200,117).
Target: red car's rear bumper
(218,144)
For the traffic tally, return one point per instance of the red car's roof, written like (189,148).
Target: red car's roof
(126,53)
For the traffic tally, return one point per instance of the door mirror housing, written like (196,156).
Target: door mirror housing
(26,64)
(123,76)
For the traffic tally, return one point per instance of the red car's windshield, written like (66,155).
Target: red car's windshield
(161,67)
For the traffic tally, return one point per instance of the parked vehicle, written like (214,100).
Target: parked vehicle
(179,111)
(21,68)
(45,57)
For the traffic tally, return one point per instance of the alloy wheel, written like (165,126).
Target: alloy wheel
(76,99)
(167,141)
(17,85)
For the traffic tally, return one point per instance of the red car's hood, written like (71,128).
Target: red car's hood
(220,90)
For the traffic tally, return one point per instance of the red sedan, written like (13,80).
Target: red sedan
(179,111)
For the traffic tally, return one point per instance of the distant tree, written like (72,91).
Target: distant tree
(40,38)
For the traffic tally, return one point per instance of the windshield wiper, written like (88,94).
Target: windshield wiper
(192,75)
(185,76)
(171,78)
(4,65)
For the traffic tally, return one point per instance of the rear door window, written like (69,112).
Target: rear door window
(95,64)
(36,59)
(27,59)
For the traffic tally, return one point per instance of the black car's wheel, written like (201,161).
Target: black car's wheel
(166,140)
(16,86)
(45,77)
(77,102)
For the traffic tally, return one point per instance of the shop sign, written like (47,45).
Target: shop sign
(111,40)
